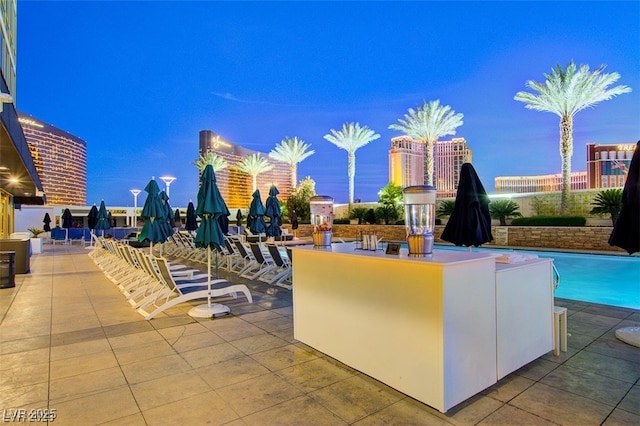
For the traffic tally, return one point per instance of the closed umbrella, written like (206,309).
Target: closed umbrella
(273,212)
(169,215)
(210,208)
(177,219)
(103,218)
(224,224)
(192,222)
(154,215)
(470,222)
(239,218)
(255,219)
(92,217)
(67,222)
(626,231)
(47,222)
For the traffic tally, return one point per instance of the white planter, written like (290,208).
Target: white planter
(36,245)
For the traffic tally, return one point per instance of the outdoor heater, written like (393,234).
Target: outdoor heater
(420,218)
(321,207)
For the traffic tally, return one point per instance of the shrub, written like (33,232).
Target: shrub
(341,221)
(358,213)
(370,217)
(608,201)
(445,208)
(503,209)
(549,221)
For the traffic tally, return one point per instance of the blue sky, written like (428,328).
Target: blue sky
(138,80)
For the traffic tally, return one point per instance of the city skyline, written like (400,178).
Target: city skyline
(140,91)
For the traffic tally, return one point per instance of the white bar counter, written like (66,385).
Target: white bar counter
(424,326)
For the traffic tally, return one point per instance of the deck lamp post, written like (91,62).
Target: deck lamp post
(135,193)
(168,180)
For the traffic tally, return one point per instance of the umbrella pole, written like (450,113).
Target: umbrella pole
(209,274)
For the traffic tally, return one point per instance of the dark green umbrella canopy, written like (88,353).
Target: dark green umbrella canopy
(153,214)
(92,217)
(167,221)
(192,223)
(67,219)
(626,231)
(239,218)
(177,219)
(103,217)
(210,207)
(273,212)
(256,215)
(47,221)
(470,222)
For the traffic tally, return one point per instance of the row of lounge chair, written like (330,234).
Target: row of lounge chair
(152,284)
(266,262)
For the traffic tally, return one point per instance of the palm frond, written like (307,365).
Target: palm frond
(351,136)
(291,151)
(254,164)
(429,121)
(218,163)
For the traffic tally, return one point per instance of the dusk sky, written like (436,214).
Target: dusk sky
(138,80)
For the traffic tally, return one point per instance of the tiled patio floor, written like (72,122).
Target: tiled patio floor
(70,342)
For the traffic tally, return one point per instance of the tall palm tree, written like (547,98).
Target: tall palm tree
(292,151)
(565,93)
(426,124)
(350,138)
(218,163)
(254,164)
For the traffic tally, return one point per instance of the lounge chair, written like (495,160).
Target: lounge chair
(179,291)
(283,273)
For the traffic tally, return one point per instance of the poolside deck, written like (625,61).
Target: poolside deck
(70,342)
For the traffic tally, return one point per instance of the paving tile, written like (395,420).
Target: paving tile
(130,354)
(283,357)
(175,332)
(232,328)
(315,374)
(615,349)
(205,408)
(10,346)
(190,342)
(508,387)
(136,339)
(212,354)
(154,368)
(79,349)
(578,340)
(97,408)
(24,396)
(260,343)
(298,411)
(36,356)
(509,415)
(537,369)
(275,324)
(259,316)
(168,389)
(606,366)
(406,412)
(82,364)
(631,401)
(128,328)
(24,376)
(561,407)
(356,397)
(621,417)
(590,329)
(595,319)
(588,384)
(471,411)
(257,394)
(230,372)
(85,384)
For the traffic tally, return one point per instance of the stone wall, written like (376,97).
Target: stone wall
(585,238)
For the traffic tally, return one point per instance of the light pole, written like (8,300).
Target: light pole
(135,193)
(168,180)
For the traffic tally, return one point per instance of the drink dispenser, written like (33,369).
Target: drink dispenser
(420,218)
(321,207)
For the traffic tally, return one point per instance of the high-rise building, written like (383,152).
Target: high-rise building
(406,162)
(19,181)
(235,186)
(542,183)
(60,159)
(448,159)
(608,165)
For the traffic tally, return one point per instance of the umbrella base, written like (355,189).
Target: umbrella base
(206,311)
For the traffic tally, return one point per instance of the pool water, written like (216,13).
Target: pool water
(596,278)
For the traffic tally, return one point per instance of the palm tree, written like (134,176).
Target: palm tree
(292,151)
(608,201)
(565,93)
(254,164)
(426,124)
(218,163)
(504,209)
(350,138)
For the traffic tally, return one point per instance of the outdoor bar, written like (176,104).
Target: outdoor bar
(439,329)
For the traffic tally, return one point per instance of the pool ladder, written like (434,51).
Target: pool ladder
(556,277)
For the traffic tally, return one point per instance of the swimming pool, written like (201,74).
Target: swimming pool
(597,278)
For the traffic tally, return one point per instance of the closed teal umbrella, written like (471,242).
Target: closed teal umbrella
(153,214)
(255,218)
(210,207)
(103,218)
(273,212)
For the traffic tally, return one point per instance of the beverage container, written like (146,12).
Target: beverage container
(321,207)
(420,218)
